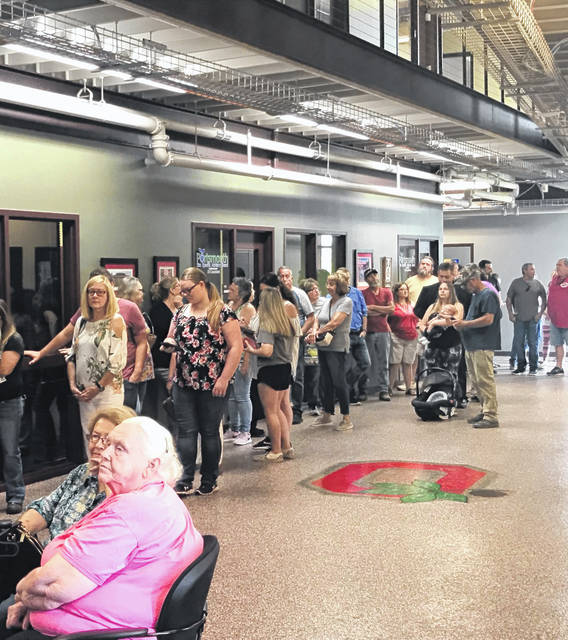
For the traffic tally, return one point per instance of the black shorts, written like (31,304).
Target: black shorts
(276,376)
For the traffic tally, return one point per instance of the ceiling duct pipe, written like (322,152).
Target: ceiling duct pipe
(313,153)
(166,158)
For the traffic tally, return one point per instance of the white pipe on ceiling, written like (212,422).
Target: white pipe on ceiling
(165,157)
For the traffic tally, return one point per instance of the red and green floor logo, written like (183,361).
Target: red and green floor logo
(398,480)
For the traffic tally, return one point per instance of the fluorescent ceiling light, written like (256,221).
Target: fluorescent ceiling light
(159,85)
(187,83)
(114,73)
(290,117)
(464,185)
(72,106)
(52,57)
(437,157)
(342,132)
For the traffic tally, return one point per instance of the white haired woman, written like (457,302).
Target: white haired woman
(98,352)
(115,566)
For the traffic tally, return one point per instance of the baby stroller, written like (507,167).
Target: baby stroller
(436,394)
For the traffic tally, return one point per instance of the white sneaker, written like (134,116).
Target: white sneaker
(315,412)
(243,438)
(231,435)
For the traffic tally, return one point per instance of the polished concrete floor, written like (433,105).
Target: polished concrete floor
(298,563)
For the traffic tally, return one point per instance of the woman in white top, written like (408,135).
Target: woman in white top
(98,352)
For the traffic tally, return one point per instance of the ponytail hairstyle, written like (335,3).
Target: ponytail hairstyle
(7,327)
(216,304)
(161,290)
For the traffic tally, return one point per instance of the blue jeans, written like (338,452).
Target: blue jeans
(378,344)
(525,332)
(134,394)
(198,413)
(240,405)
(11,412)
(358,363)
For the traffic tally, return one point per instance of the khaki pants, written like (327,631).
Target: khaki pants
(480,368)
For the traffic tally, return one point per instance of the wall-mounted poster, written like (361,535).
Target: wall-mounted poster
(165,267)
(121,266)
(363,260)
(386,272)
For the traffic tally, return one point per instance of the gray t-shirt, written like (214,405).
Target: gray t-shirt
(524,295)
(486,338)
(304,304)
(283,348)
(340,340)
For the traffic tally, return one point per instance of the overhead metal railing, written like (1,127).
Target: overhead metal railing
(524,63)
(146,62)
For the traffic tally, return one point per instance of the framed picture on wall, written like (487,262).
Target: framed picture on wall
(165,267)
(121,266)
(362,260)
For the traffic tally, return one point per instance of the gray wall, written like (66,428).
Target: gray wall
(131,210)
(510,241)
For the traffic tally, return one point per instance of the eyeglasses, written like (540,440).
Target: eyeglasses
(186,292)
(96,292)
(95,438)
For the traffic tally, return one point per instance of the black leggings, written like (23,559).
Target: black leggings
(332,383)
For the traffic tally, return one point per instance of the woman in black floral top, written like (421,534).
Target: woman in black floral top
(208,347)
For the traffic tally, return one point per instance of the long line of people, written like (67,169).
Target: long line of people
(243,359)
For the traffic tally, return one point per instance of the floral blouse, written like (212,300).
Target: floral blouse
(96,350)
(201,352)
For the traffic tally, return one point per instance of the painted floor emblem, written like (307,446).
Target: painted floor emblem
(400,480)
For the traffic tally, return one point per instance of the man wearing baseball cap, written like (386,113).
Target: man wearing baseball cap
(380,303)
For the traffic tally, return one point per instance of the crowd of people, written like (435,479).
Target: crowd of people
(195,361)
(203,356)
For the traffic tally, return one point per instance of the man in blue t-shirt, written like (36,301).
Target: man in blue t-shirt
(481,335)
(359,360)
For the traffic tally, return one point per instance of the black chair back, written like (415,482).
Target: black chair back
(186,601)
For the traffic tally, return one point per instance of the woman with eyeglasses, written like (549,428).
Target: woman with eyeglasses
(166,298)
(208,347)
(79,493)
(98,352)
(11,409)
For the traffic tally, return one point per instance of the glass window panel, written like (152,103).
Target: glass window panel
(364,20)
(212,255)
(390,26)
(404,48)
(295,252)
(406,258)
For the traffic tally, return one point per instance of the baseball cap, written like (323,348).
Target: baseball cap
(369,272)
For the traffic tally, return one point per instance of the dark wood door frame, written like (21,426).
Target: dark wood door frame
(233,229)
(69,255)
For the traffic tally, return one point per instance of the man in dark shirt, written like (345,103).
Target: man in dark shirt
(481,336)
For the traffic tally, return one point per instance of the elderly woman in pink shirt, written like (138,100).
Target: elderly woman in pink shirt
(116,565)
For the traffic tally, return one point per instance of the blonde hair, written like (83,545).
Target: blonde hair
(116,415)
(340,281)
(453,298)
(111,304)
(272,316)
(216,304)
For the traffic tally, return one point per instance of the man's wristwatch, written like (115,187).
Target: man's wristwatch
(99,386)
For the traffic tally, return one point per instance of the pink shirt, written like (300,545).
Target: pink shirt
(132,546)
(557,307)
(135,325)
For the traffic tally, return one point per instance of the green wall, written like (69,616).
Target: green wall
(130,209)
